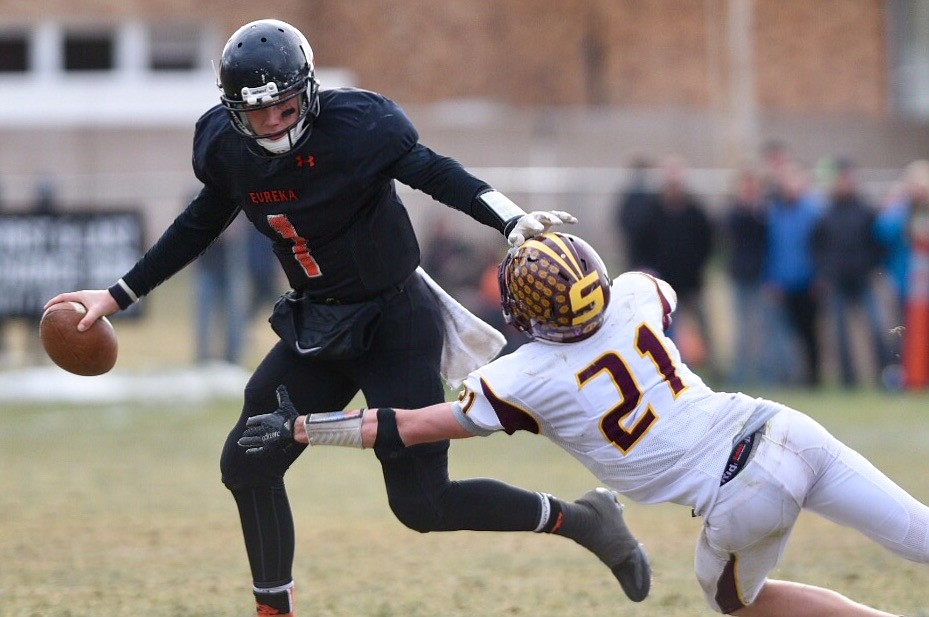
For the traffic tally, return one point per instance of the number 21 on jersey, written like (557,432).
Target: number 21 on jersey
(649,345)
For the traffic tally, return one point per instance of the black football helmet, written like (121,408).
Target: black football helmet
(554,287)
(264,63)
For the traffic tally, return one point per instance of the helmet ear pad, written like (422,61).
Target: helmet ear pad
(264,63)
(554,287)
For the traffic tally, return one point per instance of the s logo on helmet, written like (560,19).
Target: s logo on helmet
(554,287)
(587,300)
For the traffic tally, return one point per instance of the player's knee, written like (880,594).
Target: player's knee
(232,477)
(237,480)
(232,481)
(421,507)
(238,473)
(416,514)
(418,487)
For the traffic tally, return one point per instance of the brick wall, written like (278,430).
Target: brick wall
(822,56)
(810,55)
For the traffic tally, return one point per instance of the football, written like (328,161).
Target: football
(92,352)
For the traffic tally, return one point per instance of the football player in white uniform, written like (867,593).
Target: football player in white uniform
(602,381)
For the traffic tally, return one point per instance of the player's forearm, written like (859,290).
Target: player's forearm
(434,423)
(184,240)
(414,426)
(356,428)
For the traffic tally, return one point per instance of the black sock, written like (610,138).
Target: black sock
(570,520)
(278,598)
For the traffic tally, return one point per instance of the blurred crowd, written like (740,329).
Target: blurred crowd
(820,274)
(823,281)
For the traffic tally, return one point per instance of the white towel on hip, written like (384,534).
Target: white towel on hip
(469,342)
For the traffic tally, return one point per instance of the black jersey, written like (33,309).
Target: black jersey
(330,206)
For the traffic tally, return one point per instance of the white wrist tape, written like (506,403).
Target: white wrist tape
(335,428)
(501,205)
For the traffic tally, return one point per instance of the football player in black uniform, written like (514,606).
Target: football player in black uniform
(314,171)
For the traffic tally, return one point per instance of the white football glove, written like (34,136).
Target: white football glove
(536,223)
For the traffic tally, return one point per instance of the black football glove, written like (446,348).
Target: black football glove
(268,432)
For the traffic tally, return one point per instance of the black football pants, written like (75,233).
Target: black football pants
(400,370)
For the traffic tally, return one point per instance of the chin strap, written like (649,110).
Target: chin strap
(285,142)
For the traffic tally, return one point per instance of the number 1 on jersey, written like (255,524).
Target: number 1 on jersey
(282,225)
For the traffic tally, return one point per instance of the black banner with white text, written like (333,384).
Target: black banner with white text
(42,255)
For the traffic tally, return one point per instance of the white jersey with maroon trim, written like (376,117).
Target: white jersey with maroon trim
(622,402)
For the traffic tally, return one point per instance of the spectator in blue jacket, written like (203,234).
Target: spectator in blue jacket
(891,227)
(790,273)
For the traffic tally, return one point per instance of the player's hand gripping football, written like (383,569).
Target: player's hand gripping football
(268,432)
(536,223)
(98,302)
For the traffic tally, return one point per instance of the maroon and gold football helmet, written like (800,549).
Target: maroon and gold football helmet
(554,287)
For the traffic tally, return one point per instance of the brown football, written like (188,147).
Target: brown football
(92,352)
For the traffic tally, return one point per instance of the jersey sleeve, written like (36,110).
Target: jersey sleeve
(445,180)
(653,296)
(490,400)
(198,225)
(189,235)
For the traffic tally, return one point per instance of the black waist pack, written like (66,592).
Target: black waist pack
(325,331)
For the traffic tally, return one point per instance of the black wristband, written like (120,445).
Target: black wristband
(509,225)
(122,298)
(387,444)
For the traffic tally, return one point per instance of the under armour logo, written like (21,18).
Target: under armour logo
(306,161)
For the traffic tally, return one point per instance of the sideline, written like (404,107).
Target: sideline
(42,385)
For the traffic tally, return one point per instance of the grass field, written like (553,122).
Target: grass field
(119,511)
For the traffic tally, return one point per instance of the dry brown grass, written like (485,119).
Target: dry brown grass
(119,511)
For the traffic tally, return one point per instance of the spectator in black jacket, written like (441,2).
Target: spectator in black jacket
(635,214)
(746,230)
(846,252)
(682,245)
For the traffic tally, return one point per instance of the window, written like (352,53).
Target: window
(174,47)
(85,51)
(910,76)
(14,52)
